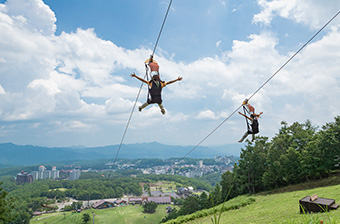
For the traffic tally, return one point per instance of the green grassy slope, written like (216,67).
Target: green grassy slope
(280,208)
(120,215)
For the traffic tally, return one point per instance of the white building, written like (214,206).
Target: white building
(43,173)
(160,171)
(194,173)
(74,174)
(226,159)
(35,175)
(54,173)
(200,165)
(46,174)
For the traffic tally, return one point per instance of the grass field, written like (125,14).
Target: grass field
(119,215)
(280,208)
(164,186)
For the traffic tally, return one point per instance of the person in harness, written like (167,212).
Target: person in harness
(253,127)
(155,86)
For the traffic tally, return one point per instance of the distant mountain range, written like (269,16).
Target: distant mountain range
(14,155)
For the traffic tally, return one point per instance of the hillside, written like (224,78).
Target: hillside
(272,208)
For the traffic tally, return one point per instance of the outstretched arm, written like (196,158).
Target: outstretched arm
(134,75)
(244,115)
(258,115)
(178,79)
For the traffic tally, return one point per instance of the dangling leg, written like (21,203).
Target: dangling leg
(143,106)
(162,108)
(253,137)
(244,136)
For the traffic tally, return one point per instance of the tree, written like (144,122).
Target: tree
(322,154)
(86,218)
(68,208)
(252,166)
(5,207)
(215,197)
(204,201)
(150,207)
(146,187)
(227,183)
(172,215)
(77,205)
(35,203)
(286,155)
(190,205)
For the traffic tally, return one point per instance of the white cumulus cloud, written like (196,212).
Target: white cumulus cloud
(313,13)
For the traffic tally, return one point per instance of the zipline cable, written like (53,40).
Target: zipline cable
(263,84)
(160,32)
(140,89)
(128,123)
(295,54)
(212,132)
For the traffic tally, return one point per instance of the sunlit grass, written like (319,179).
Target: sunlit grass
(164,186)
(281,208)
(119,215)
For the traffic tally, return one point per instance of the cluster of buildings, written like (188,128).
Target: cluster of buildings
(102,204)
(223,164)
(224,159)
(198,171)
(160,199)
(177,168)
(43,173)
(185,190)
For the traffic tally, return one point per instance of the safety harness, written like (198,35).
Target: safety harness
(247,122)
(252,128)
(155,90)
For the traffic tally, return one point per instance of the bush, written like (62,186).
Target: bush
(86,218)
(150,207)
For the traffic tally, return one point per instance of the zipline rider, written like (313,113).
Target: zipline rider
(155,86)
(253,127)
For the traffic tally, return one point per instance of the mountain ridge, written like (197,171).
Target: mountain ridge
(12,154)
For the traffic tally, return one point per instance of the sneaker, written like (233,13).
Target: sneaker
(140,109)
(163,111)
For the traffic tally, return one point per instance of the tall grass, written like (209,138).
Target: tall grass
(215,219)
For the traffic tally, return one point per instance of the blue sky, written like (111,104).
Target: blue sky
(65,65)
